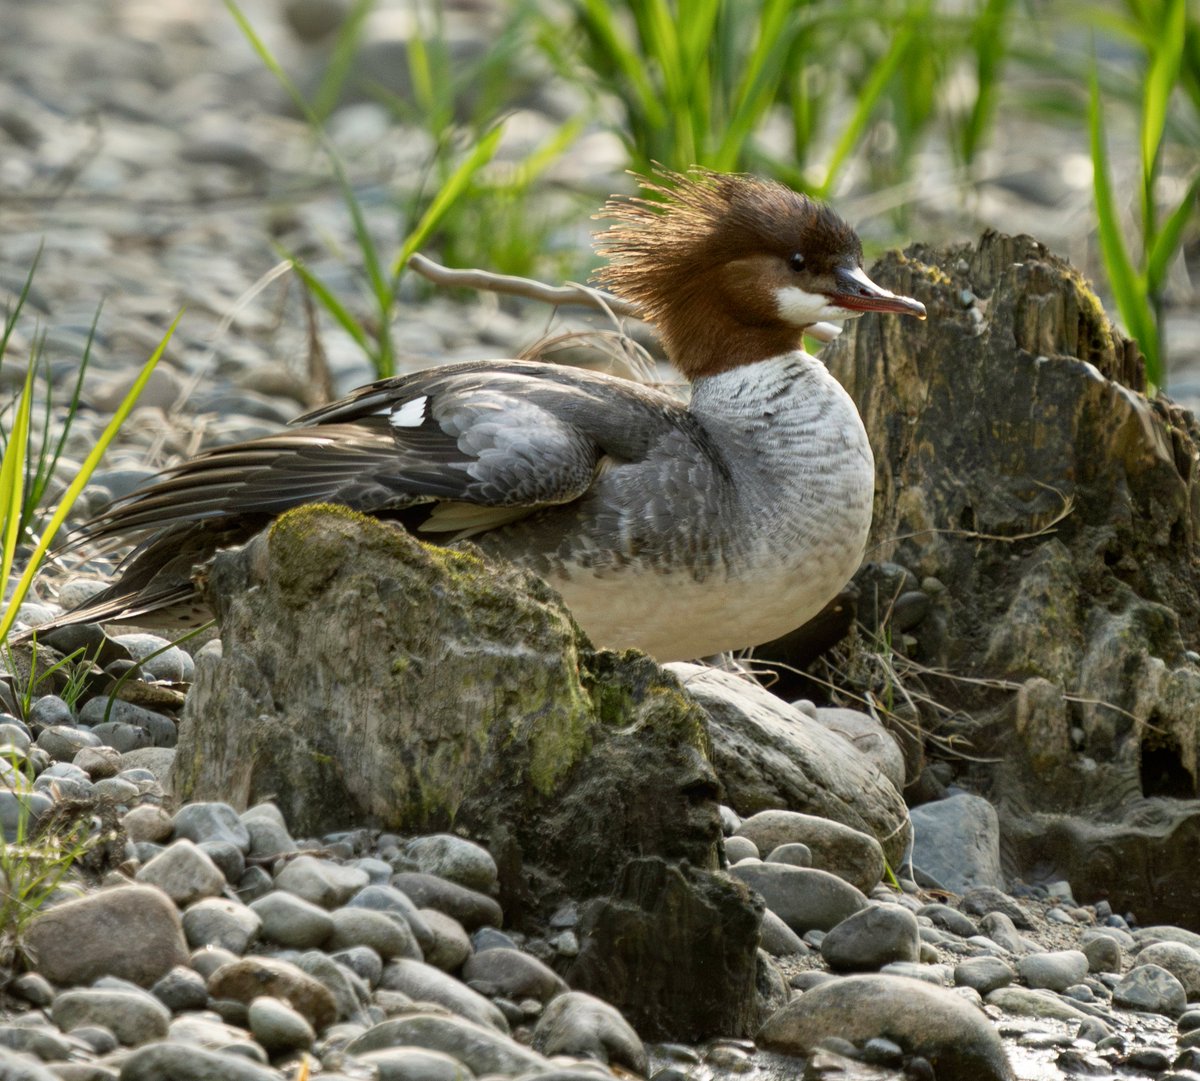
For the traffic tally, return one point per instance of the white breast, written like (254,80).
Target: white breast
(802,474)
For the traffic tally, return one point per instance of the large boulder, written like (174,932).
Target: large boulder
(1020,464)
(770,755)
(368,678)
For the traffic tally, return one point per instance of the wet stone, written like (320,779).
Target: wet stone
(388,937)
(872,938)
(277,1027)
(1152,989)
(1102,952)
(456,859)
(211,822)
(183,872)
(471,908)
(63,742)
(181,989)
(575,1023)
(321,882)
(292,921)
(450,945)
(984,974)
(740,848)
(220,922)
(1055,971)
(133,1017)
(512,974)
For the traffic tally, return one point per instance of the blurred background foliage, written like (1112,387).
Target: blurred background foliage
(888,107)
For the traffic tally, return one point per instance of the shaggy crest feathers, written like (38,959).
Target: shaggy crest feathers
(701,219)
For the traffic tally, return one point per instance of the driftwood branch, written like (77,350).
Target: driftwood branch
(572,293)
(511,285)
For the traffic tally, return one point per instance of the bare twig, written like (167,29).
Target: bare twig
(1068,506)
(571,293)
(511,285)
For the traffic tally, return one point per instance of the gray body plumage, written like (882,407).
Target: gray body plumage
(681,529)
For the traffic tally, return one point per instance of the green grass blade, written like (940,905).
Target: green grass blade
(270,63)
(340,313)
(868,99)
(11,317)
(341,60)
(1165,55)
(381,286)
(1128,289)
(608,37)
(1170,236)
(455,186)
(420,74)
(988,39)
(758,86)
(77,485)
(77,389)
(12,481)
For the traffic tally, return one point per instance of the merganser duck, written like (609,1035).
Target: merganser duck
(684,530)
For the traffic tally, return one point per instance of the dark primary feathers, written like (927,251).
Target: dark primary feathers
(450,452)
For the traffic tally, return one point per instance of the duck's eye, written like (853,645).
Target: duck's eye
(796,261)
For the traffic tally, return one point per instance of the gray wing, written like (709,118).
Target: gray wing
(453,451)
(511,436)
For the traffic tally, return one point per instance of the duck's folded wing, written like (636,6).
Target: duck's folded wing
(488,439)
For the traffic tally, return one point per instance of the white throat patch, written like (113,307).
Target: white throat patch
(803,308)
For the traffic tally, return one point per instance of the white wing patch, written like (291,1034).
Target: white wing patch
(411,414)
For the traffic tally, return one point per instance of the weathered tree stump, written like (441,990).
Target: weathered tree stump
(1019,463)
